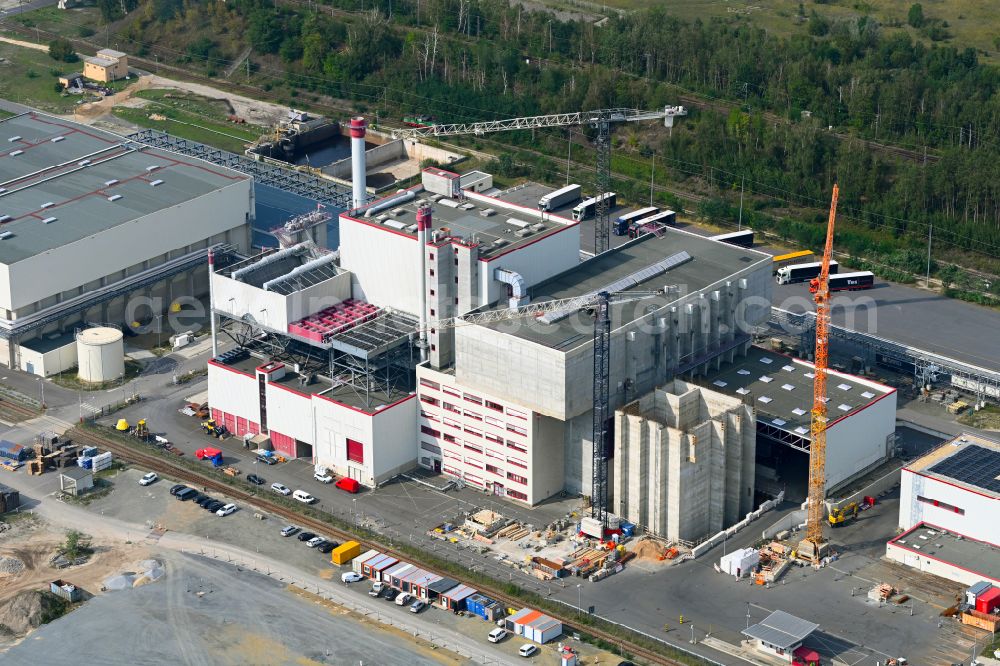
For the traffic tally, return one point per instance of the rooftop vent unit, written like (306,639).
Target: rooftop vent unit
(83,163)
(381,219)
(450,203)
(411,229)
(514,222)
(5,218)
(4,235)
(152,167)
(57,139)
(14,138)
(499,242)
(437,197)
(523,232)
(48,220)
(538,226)
(109,183)
(395,224)
(114,197)
(398,211)
(2,190)
(467,206)
(48,204)
(158,181)
(487,212)
(15,153)
(421,202)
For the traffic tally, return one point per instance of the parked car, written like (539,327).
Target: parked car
(390,594)
(327,546)
(305,536)
(417,606)
(303,497)
(289,530)
(225,510)
(148,478)
(255,480)
(403,599)
(266,460)
(315,541)
(497,635)
(280,489)
(176,489)
(376,590)
(351,577)
(214,506)
(323,478)
(203,501)
(186,494)
(527,650)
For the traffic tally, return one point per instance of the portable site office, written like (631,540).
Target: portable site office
(455,598)
(374,567)
(534,625)
(394,575)
(361,559)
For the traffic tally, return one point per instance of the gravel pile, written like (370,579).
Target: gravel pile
(10,565)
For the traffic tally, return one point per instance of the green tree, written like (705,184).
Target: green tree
(915,17)
(62,50)
(76,545)
(818,25)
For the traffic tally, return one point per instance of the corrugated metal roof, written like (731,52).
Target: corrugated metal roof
(460,592)
(443,585)
(781,630)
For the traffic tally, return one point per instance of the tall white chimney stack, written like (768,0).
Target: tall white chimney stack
(358,177)
(423,232)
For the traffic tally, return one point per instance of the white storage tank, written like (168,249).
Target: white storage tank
(100,354)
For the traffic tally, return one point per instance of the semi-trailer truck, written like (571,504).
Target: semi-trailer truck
(846,281)
(560,197)
(633,217)
(803,272)
(586,209)
(742,238)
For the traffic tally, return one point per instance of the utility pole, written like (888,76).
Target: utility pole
(742,180)
(652,171)
(569,151)
(930,239)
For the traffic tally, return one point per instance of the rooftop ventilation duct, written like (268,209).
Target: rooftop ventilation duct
(389,203)
(519,290)
(269,259)
(304,268)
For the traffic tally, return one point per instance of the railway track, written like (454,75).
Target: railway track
(13,412)
(153,462)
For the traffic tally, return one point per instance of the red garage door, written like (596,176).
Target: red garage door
(254,428)
(217,415)
(241,426)
(355,451)
(283,444)
(230,422)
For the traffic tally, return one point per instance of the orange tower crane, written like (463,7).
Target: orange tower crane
(812,545)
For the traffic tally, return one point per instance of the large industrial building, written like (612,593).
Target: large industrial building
(89,219)
(862,419)
(398,349)
(949,506)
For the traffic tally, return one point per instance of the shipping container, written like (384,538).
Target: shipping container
(846,282)
(484,607)
(803,272)
(742,238)
(13,451)
(455,599)
(559,198)
(345,552)
(534,626)
(10,499)
(989,601)
(587,208)
(975,591)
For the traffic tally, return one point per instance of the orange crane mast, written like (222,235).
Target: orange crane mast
(817,449)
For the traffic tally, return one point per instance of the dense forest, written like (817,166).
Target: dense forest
(802,107)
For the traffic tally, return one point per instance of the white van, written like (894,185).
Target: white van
(303,496)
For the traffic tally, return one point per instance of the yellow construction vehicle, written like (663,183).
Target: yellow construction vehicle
(141,429)
(841,516)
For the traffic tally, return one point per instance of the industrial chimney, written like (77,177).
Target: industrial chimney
(358,177)
(423,230)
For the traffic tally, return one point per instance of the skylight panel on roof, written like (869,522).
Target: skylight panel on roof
(788,368)
(15,153)
(868,394)
(720,383)
(4,235)
(743,371)
(14,138)
(48,204)
(152,167)
(844,408)
(766,379)
(844,387)
(109,183)
(764,399)
(57,139)
(798,411)
(742,391)
(801,430)
(83,163)
(766,361)
(788,387)
(779,422)
(809,375)
(5,218)
(2,190)
(158,181)
(48,220)
(114,197)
